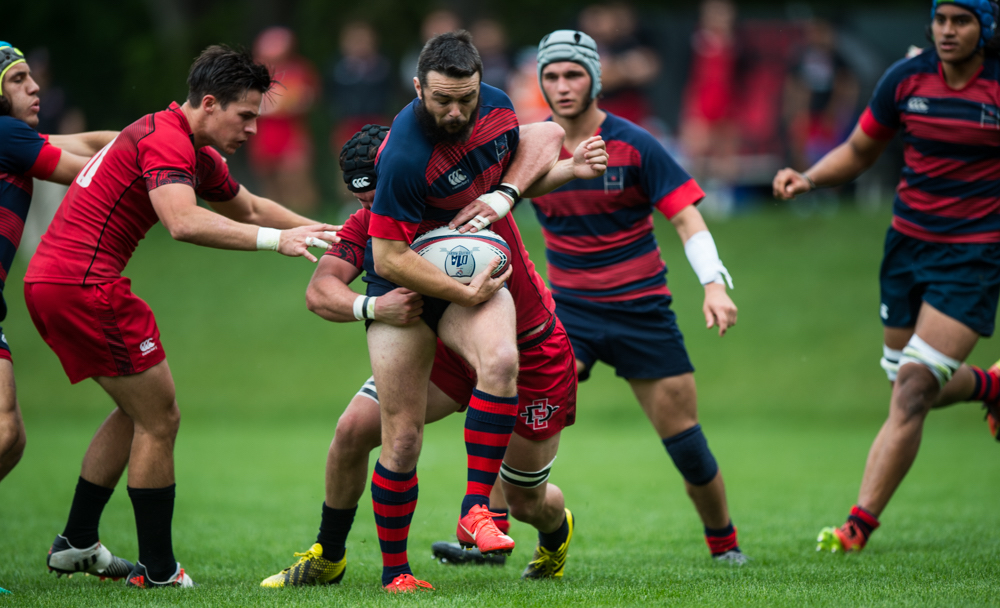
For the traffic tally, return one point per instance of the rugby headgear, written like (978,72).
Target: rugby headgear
(357,157)
(984,10)
(571,45)
(9,56)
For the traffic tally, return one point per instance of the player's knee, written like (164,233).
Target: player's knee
(524,491)
(13,440)
(499,366)
(890,362)
(357,432)
(405,447)
(690,453)
(940,365)
(915,393)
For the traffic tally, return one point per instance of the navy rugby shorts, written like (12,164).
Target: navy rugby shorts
(639,338)
(962,280)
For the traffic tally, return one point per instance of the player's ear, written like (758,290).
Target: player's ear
(209,103)
(416,86)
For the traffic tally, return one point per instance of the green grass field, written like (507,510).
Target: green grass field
(790,401)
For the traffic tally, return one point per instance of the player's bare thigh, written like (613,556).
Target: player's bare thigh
(480,333)
(527,455)
(148,398)
(671,403)
(11,423)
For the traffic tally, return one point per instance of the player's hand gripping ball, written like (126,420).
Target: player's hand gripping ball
(462,256)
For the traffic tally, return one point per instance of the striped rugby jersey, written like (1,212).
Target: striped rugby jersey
(949,190)
(24,154)
(422,186)
(599,232)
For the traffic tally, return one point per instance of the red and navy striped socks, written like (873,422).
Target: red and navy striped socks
(721,540)
(488,425)
(865,522)
(394,497)
(987,385)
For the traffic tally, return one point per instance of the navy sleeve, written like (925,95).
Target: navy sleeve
(21,146)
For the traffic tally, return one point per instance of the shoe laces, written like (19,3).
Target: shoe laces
(483,518)
(308,555)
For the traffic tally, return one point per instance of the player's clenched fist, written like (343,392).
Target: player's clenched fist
(590,159)
(789,183)
(295,242)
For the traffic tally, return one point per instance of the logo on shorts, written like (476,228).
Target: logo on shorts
(883,311)
(147,346)
(919,105)
(538,414)
(456,178)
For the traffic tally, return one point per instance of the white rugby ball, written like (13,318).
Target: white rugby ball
(462,256)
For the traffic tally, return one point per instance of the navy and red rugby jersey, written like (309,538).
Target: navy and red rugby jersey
(599,232)
(422,186)
(949,191)
(24,154)
(107,210)
(532,299)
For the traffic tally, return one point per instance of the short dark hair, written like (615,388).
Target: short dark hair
(227,74)
(451,54)
(6,108)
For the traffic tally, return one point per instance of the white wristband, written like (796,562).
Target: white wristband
(513,187)
(268,238)
(364,308)
(704,258)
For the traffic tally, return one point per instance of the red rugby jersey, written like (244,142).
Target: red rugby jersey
(107,210)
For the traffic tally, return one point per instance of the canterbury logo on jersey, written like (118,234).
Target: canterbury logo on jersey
(457,178)
(918,105)
(360,182)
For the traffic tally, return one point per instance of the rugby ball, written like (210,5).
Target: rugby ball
(462,256)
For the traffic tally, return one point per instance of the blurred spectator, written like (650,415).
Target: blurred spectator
(359,83)
(708,130)
(436,22)
(281,154)
(490,39)
(627,64)
(821,96)
(524,92)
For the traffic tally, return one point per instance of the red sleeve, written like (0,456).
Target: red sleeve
(874,128)
(391,229)
(47,161)
(167,156)
(686,194)
(353,239)
(214,183)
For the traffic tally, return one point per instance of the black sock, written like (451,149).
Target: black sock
(85,514)
(553,540)
(154,510)
(333,531)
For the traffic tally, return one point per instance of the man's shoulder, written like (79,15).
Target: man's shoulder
(15,128)
(406,145)
(925,62)
(492,97)
(617,131)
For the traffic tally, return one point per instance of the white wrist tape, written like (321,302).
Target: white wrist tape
(497,202)
(704,258)
(364,308)
(268,238)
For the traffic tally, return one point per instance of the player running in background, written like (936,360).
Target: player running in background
(940,275)
(608,279)
(449,147)
(546,386)
(85,311)
(24,154)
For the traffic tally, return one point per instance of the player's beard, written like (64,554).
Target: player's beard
(438,134)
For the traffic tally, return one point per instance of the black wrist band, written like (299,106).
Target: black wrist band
(514,197)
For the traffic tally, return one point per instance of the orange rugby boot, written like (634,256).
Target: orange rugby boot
(477,529)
